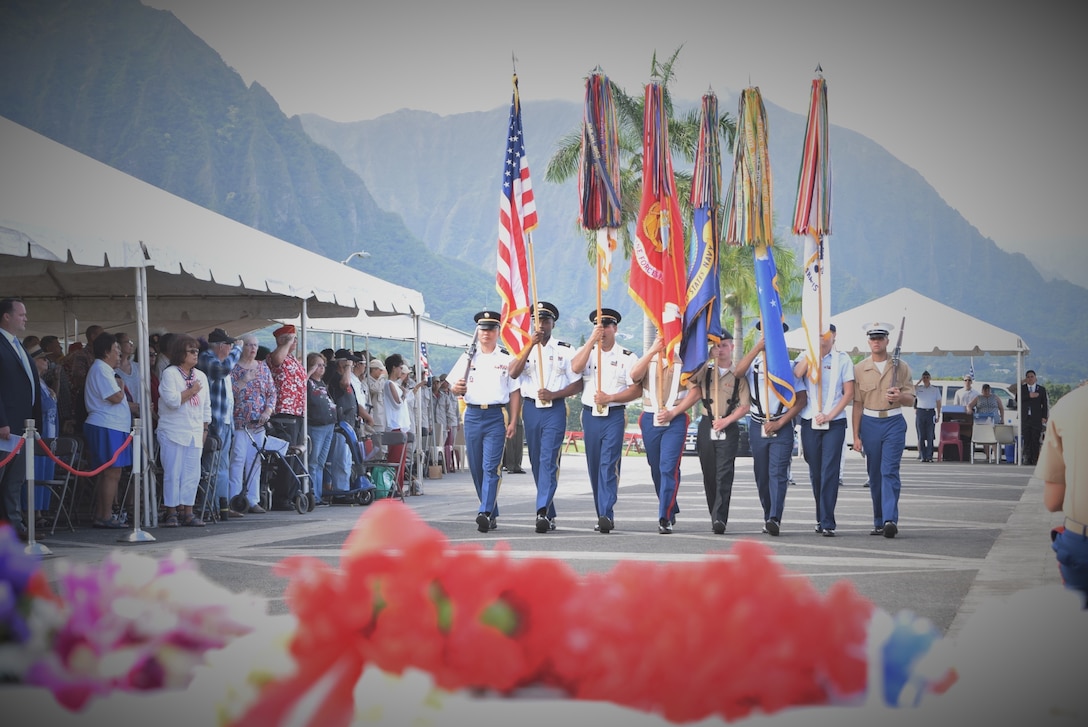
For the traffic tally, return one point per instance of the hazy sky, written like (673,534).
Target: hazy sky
(984,99)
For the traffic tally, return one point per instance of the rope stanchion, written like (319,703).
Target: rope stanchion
(12,454)
(33,547)
(85,473)
(137,535)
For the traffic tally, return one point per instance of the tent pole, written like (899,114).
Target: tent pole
(304,322)
(141,444)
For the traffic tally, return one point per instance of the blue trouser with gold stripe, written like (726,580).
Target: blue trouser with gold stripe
(603,437)
(545,429)
(664,447)
(882,442)
(485,437)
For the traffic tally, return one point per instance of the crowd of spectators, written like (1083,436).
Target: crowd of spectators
(222,396)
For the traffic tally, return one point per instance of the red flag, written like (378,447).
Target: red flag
(658,264)
(517,217)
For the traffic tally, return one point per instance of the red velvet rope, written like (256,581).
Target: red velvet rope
(92,473)
(11,455)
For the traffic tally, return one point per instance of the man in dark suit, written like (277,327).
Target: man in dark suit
(1034,410)
(19,400)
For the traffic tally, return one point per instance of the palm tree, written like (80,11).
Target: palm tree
(735,264)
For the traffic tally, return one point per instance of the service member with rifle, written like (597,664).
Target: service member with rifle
(882,387)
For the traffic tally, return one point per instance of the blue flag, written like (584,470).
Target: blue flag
(703,316)
(778,366)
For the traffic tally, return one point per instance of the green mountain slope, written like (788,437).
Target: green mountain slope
(134,88)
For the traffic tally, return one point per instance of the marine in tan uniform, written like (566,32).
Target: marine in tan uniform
(881,390)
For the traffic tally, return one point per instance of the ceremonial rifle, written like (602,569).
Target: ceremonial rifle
(471,354)
(896,352)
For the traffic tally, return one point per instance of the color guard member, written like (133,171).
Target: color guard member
(603,410)
(880,430)
(823,426)
(664,424)
(726,402)
(546,380)
(770,435)
(484,382)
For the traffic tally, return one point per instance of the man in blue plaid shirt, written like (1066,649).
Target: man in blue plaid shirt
(216,361)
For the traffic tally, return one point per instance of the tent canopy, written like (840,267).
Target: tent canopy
(932,329)
(73,231)
(392,328)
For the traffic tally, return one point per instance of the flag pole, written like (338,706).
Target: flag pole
(599,354)
(536,309)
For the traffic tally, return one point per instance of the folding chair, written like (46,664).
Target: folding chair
(950,436)
(67,450)
(1005,435)
(983,434)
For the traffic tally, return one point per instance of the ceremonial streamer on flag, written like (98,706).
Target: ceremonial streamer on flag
(517,218)
(599,172)
(812,219)
(750,222)
(703,316)
(658,279)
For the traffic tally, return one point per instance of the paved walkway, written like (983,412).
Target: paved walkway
(967,533)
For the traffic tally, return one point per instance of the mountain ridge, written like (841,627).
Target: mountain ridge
(131,86)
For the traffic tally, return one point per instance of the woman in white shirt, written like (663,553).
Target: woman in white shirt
(107,427)
(185,412)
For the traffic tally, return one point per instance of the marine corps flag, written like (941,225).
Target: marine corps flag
(703,315)
(517,218)
(750,222)
(658,281)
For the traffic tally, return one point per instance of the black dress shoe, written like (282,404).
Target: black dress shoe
(664,526)
(771,526)
(518,471)
(890,529)
(719,527)
(819,528)
(604,525)
(877,531)
(542,524)
(493,523)
(483,522)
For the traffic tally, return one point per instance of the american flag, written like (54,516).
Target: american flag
(424,366)
(517,217)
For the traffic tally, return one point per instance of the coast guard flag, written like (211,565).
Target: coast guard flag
(517,218)
(778,367)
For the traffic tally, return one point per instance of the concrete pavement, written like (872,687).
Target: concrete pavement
(967,533)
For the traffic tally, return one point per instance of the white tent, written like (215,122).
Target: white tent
(73,230)
(931,329)
(81,243)
(393,328)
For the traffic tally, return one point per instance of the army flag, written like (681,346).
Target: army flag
(658,280)
(599,172)
(517,218)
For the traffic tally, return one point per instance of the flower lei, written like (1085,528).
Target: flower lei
(130,623)
(748,636)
